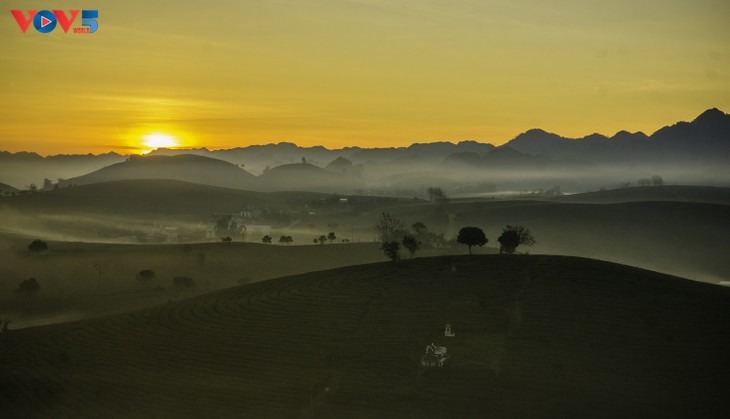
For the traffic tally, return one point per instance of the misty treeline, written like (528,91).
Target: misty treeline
(394,235)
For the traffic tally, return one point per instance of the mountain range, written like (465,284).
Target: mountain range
(697,149)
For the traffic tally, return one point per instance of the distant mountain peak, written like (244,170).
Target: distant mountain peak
(711,115)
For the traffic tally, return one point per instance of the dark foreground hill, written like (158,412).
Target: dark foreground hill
(536,336)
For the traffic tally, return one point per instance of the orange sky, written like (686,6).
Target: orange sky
(338,73)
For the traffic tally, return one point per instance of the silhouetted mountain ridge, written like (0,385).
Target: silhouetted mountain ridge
(707,136)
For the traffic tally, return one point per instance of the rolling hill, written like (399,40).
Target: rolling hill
(6,189)
(307,177)
(185,167)
(535,336)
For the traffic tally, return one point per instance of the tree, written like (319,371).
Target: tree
(657,180)
(146,275)
(315,241)
(321,239)
(226,239)
(411,244)
(266,239)
(37,246)
(100,268)
(436,195)
(472,236)
(419,228)
(388,228)
(391,249)
(644,182)
(28,287)
(513,236)
(331,236)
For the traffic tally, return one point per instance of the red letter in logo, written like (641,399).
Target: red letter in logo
(61,18)
(22,21)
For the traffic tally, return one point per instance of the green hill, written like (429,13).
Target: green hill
(71,288)
(185,167)
(682,193)
(535,336)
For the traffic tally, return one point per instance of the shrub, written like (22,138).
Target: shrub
(28,287)
(37,246)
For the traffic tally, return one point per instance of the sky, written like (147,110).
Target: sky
(371,73)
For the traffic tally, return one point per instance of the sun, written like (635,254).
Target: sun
(160,140)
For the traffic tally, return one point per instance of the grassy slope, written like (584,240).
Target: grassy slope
(703,194)
(71,289)
(681,238)
(535,336)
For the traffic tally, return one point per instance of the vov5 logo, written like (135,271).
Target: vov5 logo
(46,21)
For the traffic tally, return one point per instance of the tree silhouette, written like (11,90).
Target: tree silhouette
(331,236)
(391,249)
(436,194)
(513,236)
(28,287)
(389,228)
(37,246)
(472,236)
(657,180)
(411,244)
(322,239)
(419,228)
(146,275)
(100,268)
(266,239)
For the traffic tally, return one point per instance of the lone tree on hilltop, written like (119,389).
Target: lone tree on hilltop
(657,180)
(392,250)
(513,236)
(331,237)
(321,239)
(28,287)
(389,228)
(411,244)
(266,239)
(472,236)
(37,246)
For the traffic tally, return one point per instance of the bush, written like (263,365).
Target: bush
(146,275)
(28,288)
(38,246)
(391,249)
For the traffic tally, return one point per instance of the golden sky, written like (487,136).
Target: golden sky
(338,73)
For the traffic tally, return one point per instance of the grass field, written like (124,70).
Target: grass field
(536,336)
(71,287)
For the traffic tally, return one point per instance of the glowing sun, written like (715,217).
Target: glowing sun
(160,140)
